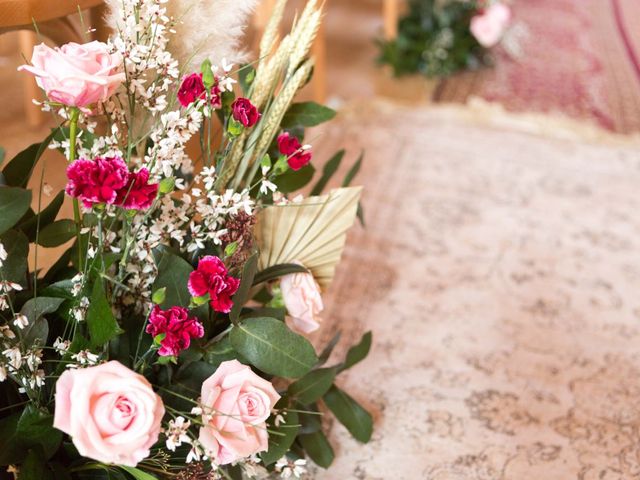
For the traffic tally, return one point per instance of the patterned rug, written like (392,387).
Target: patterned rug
(500,274)
(578,58)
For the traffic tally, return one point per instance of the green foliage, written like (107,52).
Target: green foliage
(313,385)
(14,203)
(281,438)
(358,352)
(14,268)
(292,181)
(307,114)
(349,412)
(273,348)
(102,324)
(57,233)
(38,328)
(173,275)
(18,171)
(329,169)
(242,295)
(318,448)
(138,474)
(434,39)
(21,432)
(43,219)
(278,271)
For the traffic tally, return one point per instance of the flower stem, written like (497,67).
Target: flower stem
(73,135)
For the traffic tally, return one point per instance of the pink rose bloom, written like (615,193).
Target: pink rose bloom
(212,277)
(179,328)
(138,194)
(236,404)
(110,412)
(302,298)
(489,26)
(245,112)
(97,181)
(297,156)
(76,75)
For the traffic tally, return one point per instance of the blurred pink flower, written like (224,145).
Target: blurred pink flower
(489,26)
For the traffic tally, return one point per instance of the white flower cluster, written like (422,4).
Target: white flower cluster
(23,366)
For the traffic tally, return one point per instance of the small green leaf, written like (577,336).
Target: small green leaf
(44,218)
(234,128)
(351,174)
(281,440)
(273,348)
(167,185)
(230,249)
(20,432)
(278,271)
(358,352)
(330,168)
(34,309)
(307,114)
(57,233)
(328,350)
(14,203)
(159,296)
(348,412)
(313,385)
(100,320)
(208,78)
(138,474)
(318,448)
(242,295)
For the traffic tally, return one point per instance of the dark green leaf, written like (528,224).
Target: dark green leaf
(19,169)
(100,320)
(173,274)
(242,295)
(280,442)
(310,418)
(14,203)
(14,268)
(57,233)
(348,412)
(138,474)
(46,217)
(19,433)
(278,271)
(328,350)
(307,114)
(358,352)
(330,168)
(34,468)
(318,448)
(34,309)
(351,174)
(220,352)
(270,346)
(292,181)
(313,385)
(278,313)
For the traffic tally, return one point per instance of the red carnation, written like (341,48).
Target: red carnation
(97,181)
(212,278)
(245,112)
(297,155)
(138,194)
(192,89)
(178,328)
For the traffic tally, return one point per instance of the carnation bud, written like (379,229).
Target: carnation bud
(208,78)
(159,296)
(231,249)
(167,185)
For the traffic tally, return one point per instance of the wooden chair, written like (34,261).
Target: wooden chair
(390,14)
(51,19)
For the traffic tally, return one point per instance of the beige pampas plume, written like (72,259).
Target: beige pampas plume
(204,29)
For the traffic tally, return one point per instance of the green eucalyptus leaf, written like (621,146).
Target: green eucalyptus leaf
(173,274)
(19,169)
(313,385)
(20,432)
(34,467)
(45,217)
(102,324)
(138,474)
(353,172)
(358,352)
(307,114)
(281,439)
(328,350)
(273,348)
(278,271)
(34,309)
(292,181)
(356,419)
(14,268)
(318,448)
(328,171)
(14,203)
(242,295)
(57,233)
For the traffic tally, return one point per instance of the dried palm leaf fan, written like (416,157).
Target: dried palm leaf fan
(312,232)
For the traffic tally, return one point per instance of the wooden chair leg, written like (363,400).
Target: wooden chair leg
(320,70)
(32,112)
(390,14)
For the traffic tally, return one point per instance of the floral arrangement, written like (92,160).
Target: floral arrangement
(440,37)
(168,340)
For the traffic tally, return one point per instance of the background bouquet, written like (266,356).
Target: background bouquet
(440,37)
(168,340)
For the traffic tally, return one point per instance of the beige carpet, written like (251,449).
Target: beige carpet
(500,273)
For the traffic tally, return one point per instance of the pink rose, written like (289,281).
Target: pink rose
(212,278)
(179,328)
(236,404)
(489,25)
(110,412)
(302,298)
(245,112)
(297,155)
(76,75)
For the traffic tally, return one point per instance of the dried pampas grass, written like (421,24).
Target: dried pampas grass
(204,29)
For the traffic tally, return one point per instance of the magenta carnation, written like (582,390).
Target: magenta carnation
(297,157)
(97,181)
(138,194)
(177,326)
(212,278)
(245,112)
(192,89)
